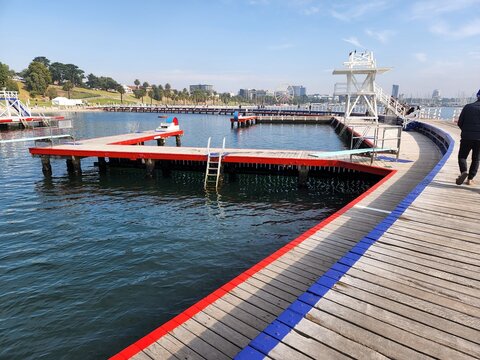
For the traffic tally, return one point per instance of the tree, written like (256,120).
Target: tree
(67,87)
(107,83)
(43,60)
(145,85)
(139,93)
(150,93)
(58,72)
(6,78)
(37,78)
(137,83)
(121,90)
(74,74)
(92,82)
(63,72)
(51,93)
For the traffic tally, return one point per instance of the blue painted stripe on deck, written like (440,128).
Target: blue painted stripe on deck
(268,339)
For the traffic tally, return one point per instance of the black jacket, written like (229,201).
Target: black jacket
(469,121)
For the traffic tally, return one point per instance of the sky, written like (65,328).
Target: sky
(262,44)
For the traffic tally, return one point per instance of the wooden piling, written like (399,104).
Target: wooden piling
(160,142)
(178,140)
(74,166)
(46,167)
(102,165)
(150,167)
(302,176)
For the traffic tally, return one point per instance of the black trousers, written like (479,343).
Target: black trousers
(465,147)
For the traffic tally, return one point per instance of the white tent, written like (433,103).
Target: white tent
(63,101)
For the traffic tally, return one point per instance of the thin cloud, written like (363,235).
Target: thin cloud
(421,57)
(382,36)
(430,8)
(355,11)
(469,29)
(354,41)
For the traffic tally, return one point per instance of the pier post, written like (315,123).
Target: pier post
(160,142)
(150,166)
(74,166)
(178,140)
(302,176)
(102,165)
(46,167)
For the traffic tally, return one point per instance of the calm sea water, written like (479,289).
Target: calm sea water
(90,264)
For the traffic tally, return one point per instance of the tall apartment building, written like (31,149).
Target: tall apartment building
(201,87)
(395,90)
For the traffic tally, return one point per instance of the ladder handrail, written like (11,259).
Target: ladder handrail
(220,156)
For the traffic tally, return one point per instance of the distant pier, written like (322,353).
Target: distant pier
(218,110)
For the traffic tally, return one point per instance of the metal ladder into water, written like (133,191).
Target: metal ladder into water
(214,167)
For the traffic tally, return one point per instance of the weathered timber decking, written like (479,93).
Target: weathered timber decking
(407,290)
(410,295)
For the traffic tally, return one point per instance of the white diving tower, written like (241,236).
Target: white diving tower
(360,89)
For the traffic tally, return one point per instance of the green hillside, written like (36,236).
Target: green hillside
(89,96)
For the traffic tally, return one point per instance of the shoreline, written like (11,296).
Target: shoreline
(55,110)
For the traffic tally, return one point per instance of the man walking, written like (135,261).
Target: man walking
(469,122)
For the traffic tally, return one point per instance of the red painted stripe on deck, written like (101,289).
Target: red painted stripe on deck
(149,137)
(156,334)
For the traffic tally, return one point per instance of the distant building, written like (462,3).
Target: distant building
(319,98)
(395,91)
(436,94)
(128,89)
(201,87)
(245,93)
(299,91)
(252,94)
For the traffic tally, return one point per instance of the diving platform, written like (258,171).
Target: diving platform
(14,113)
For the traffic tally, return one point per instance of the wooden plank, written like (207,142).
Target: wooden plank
(361,336)
(426,301)
(395,333)
(174,347)
(282,351)
(442,330)
(243,331)
(249,313)
(312,330)
(208,329)
(195,343)
(421,274)
(143,356)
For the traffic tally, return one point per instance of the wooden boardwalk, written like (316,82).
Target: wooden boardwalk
(381,278)
(409,289)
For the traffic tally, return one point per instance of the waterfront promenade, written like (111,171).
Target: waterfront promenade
(393,274)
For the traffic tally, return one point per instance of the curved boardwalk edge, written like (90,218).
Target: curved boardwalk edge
(267,340)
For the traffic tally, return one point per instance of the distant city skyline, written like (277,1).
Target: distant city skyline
(429,44)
